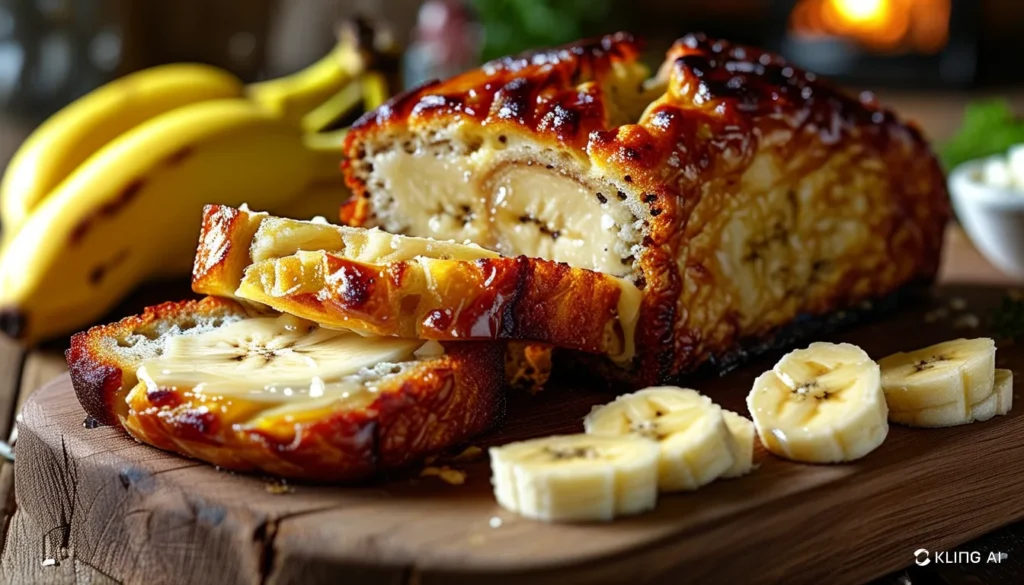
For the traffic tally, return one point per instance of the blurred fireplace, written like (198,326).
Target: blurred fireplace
(892,42)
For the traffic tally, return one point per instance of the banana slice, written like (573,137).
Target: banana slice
(574,478)
(1004,391)
(544,214)
(277,237)
(997,403)
(823,404)
(285,363)
(696,446)
(742,430)
(947,384)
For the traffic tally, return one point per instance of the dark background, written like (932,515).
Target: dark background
(54,50)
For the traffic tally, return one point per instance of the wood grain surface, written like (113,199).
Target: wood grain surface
(93,504)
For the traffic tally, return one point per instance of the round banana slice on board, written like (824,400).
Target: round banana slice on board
(742,430)
(396,286)
(576,478)
(823,404)
(282,395)
(695,444)
(1004,391)
(947,384)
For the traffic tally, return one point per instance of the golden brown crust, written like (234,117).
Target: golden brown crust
(763,192)
(219,263)
(437,404)
(103,359)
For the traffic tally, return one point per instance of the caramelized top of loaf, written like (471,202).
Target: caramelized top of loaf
(590,98)
(561,94)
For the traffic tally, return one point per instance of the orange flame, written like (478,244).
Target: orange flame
(920,26)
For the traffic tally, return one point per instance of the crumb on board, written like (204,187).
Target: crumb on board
(278,488)
(957,303)
(445,473)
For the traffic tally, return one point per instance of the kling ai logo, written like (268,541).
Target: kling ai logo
(922,557)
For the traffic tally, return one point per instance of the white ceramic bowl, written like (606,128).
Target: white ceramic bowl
(993,217)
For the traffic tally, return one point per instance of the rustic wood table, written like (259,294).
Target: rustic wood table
(22,372)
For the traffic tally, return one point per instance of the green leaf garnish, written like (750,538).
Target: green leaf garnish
(990,127)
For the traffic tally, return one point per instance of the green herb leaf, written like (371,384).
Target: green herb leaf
(990,127)
(512,26)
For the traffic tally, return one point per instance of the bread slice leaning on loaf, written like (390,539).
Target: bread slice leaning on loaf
(736,190)
(382,284)
(203,379)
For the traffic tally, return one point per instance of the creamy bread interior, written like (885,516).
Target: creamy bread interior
(506,195)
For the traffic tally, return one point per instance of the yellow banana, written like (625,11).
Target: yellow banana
(293,96)
(72,135)
(132,210)
(375,90)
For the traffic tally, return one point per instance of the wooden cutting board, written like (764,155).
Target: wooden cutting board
(94,505)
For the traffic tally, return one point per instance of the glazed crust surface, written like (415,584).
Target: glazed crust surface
(762,191)
(432,404)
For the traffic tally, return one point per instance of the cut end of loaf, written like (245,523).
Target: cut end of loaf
(503,192)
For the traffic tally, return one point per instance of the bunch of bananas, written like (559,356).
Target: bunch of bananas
(107,193)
